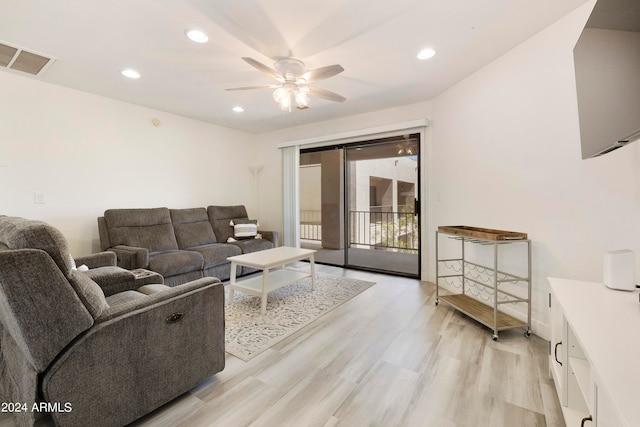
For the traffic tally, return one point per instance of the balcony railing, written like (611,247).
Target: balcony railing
(376,228)
(311,225)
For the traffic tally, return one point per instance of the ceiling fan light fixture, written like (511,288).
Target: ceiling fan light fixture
(279,94)
(302,98)
(197,36)
(287,93)
(285,103)
(282,96)
(292,78)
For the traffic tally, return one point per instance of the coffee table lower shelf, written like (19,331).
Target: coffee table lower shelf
(483,313)
(277,279)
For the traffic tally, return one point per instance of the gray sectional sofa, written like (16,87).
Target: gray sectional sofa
(180,244)
(95,359)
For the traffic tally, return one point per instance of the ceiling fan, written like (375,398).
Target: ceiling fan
(293,82)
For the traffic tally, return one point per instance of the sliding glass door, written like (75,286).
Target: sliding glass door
(358,204)
(383,226)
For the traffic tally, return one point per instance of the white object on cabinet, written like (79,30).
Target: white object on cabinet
(619,269)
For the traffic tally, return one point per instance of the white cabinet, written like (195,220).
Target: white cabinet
(556,349)
(594,353)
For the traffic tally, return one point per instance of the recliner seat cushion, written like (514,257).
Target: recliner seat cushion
(252,245)
(172,263)
(216,253)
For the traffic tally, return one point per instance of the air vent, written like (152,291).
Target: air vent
(17,58)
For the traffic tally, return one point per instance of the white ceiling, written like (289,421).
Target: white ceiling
(376,41)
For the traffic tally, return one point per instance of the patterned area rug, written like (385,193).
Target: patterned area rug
(290,308)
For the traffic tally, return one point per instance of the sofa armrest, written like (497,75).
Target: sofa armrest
(100,259)
(271,236)
(148,349)
(131,257)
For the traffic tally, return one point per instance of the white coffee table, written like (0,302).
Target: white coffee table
(270,280)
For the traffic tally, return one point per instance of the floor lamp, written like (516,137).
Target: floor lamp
(255,169)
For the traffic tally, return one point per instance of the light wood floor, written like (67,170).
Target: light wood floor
(388,357)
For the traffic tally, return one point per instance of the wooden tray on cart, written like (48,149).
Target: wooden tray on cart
(482,233)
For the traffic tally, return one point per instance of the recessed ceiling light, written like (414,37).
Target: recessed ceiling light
(197,36)
(238,109)
(426,53)
(132,74)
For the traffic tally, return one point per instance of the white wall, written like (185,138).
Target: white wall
(504,152)
(508,156)
(88,153)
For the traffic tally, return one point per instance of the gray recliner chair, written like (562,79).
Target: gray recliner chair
(93,360)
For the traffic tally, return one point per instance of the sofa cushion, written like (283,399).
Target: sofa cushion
(153,289)
(172,263)
(252,245)
(220,216)
(124,297)
(216,253)
(144,228)
(192,227)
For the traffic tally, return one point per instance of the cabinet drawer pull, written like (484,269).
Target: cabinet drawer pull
(584,420)
(555,353)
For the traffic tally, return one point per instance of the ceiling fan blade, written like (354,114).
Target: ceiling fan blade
(260,66)
(322,73)
(326,94)
(251,87)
